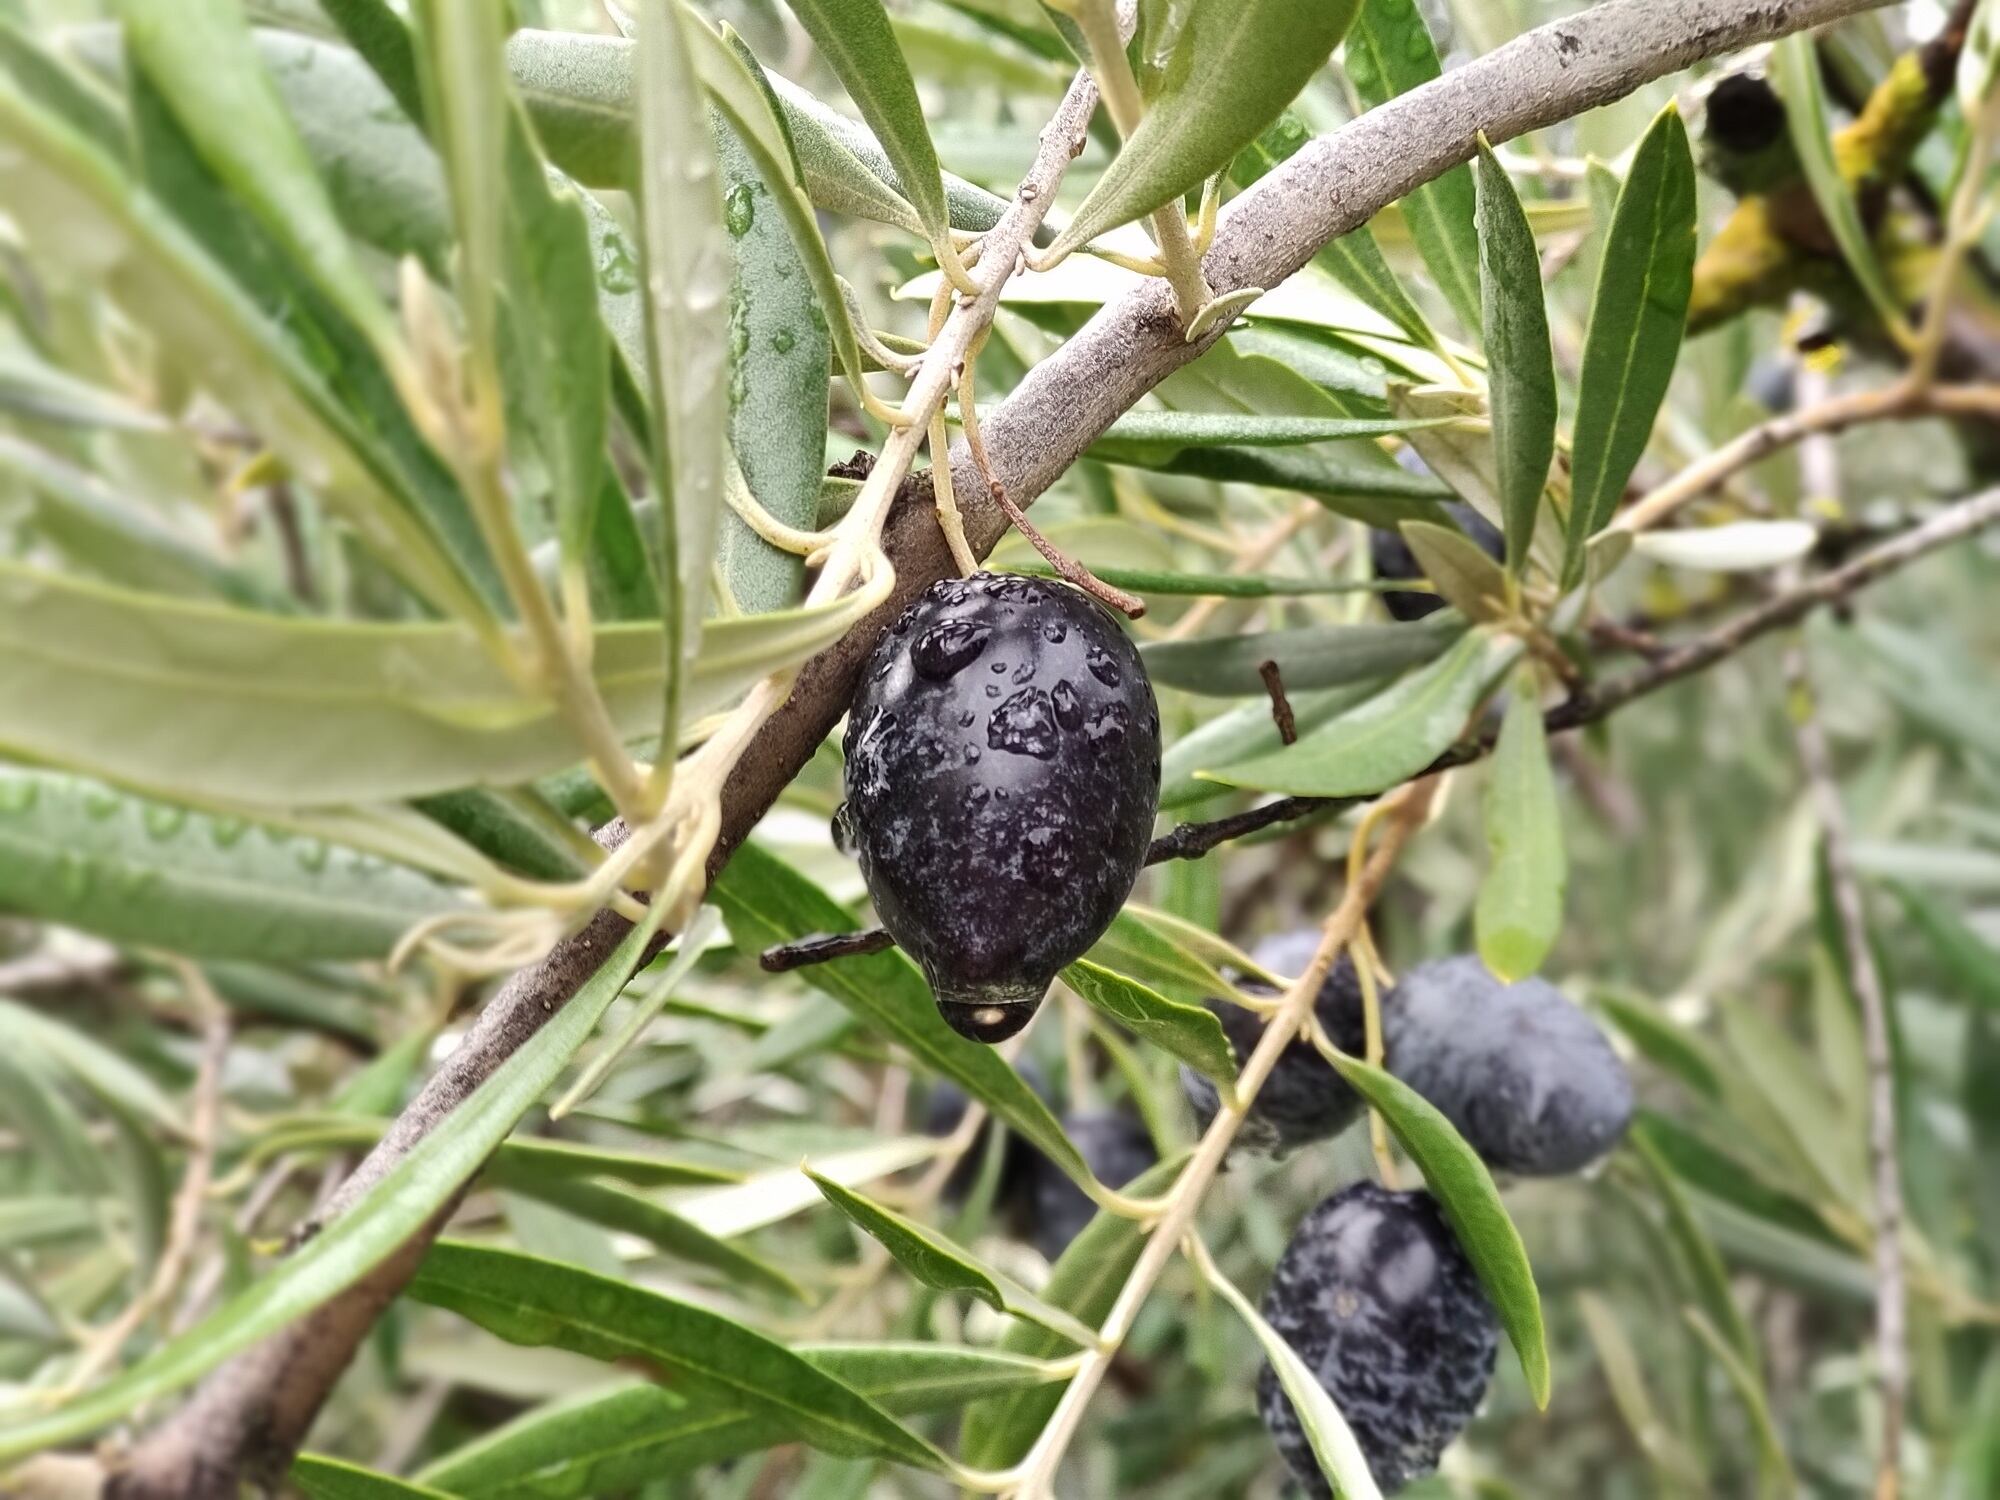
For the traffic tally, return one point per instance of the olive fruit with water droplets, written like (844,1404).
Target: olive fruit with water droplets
(1376,1296)
(1527,1077)
(1003,771)
(1303,1099)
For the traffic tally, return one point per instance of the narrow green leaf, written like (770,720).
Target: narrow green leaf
(1175,584)
(1702,1263)
(1156,949)
(322,1478)
(855,38)
(1234,66)
(929,1257)
(1308,656)
(156,875)
(78,208)
(1465,1190)
(1675,1049)
(1638,315)
(1719,1175)
(1390,52)
(1519,912)
(1354,259)
(199,55)
(33,388)
(1795,71)
(382,39)
(1520,359)
(1341,1460)
(536,1302)
(357,1241)
(660,982)
(633,1213)
(1085,1282)
(291,712)
(103,531)
(515,828)
(1190,1033)
(1246,732)
(1967,959)
(686,273)
(1470,581)
(1733,547)
(1386,740)
(1772,1460)
(604,1442)
(943,1265)
(766,902)
(778,382)
(745,98)
(1149,439)
(108,1074)
(1626,1376)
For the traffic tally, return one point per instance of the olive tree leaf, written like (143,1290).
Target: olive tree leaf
(766,902)
(633,1213)
(156,875)
(527,1300)
(1625,1374)
(685,252)
(1795,71)
(199,55)
(603,1442)
(778,382)
(1385,740)
(360,1239)
(1967,959)
(1308,656)
(1246,732)
(1772,1460)
(1701,1262)
(1390,52)
(943,1265)
(855,38)
(1468,579)
(1519,911)
(1190,1033)
(104,531)
(1638,315)
(77,206)
(1354,259)
(1333,1443)
(1465,1191)
(290,712)
(1233,68)
(322,1478)
(1733,547)
(1520,359)
(1085,1282)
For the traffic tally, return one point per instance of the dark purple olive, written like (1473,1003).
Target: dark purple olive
(1003,772)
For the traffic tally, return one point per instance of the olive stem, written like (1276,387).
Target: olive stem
(1034,1477)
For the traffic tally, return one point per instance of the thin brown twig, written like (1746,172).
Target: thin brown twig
(1891,1293)
(1903,401)
(1281,706)
(1067,567)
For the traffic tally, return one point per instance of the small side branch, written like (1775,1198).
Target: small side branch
(1892,1372)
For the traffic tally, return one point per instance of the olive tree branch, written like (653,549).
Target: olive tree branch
(1891,1294)
(250,1415)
